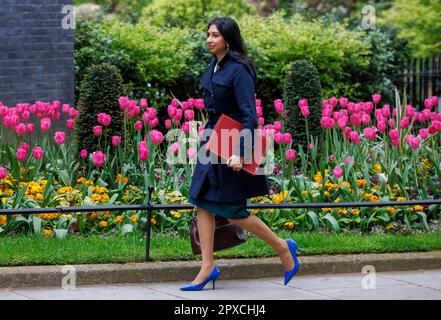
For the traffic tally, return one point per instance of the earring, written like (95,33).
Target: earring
(228,48)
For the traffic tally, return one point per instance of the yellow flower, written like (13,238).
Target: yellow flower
(417,208)
(119,178)
(133,218)
(401,199)
(47,233)
(318,177)
(355,212)
(153,220)
(377,168)
(278,198)
(88,183)
(96,197)
(326,194)
(304,193)
(176,214)
(391,210)
(342,211)
(290,225)
(81,180)
(390,226)
(326,209)
(361,183)
(3,220)
(119,219)
(346,184)
(93,215)
(103,224)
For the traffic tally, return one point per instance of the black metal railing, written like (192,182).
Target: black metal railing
(422,79)
(149,207)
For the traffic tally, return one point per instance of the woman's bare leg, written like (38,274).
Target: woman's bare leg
(206,227)
(256,226)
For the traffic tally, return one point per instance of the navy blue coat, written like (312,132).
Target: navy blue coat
(229,90)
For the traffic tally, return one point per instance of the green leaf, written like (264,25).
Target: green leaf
(313,218)
(423,220)
(334,224)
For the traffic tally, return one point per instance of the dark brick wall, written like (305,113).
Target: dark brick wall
(36,53)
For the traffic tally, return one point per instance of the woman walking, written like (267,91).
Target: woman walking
(223,188)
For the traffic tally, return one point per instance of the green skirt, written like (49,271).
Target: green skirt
(229,210)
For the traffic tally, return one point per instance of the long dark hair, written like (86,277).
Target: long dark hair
(230,31)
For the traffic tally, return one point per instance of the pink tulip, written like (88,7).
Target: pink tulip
(138,125)
(3,173)
(151,113)
(278,105)
(413,141)
(278,138)
(37,152)
(186,127)
(143,151)
(424,133)
(144,103)
(365,119)
(342,122)
(333,101)
(311,146)
(21,154)
(45,124)
(123,102)
(343,102)
(395,142)
(104,119)
(97,131)
(368,107)
(199,104)
(305,111)
(184,106)
(404,123)
(70,124)
(258,103)
(60,137)
(98,158)
(381,126)
(116,141)
(376,98)
(30,127)
(167,123)
(171,111)
(348,160)
(428,103)
(290,154)
(355,119)
(327,112)
(370,133)
(83,154)
(189,115)
(191,103)
(261,121)
(65,108)
(277,125)
(327,122)
(287,139)
(391,123)
(20,129)
(338,172)
(410,111)
(26,115)
(156,136)
(394,134)
(259,111)
(153,123)
(178,114)
(191,153)
(303,103)
(175,147)
(385,110)
(200,131)
(354,137)
(73,113)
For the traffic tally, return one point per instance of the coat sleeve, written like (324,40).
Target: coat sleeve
(245,98)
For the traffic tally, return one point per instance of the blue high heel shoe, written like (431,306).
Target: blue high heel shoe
(293,248)
(198,287)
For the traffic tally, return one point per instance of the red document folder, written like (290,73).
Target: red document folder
(224,149)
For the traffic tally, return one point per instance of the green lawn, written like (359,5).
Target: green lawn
(36,250)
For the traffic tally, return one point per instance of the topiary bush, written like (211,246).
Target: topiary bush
(303,82)
(99,92)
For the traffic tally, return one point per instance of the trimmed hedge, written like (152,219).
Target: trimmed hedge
(99,92)
(303,82)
